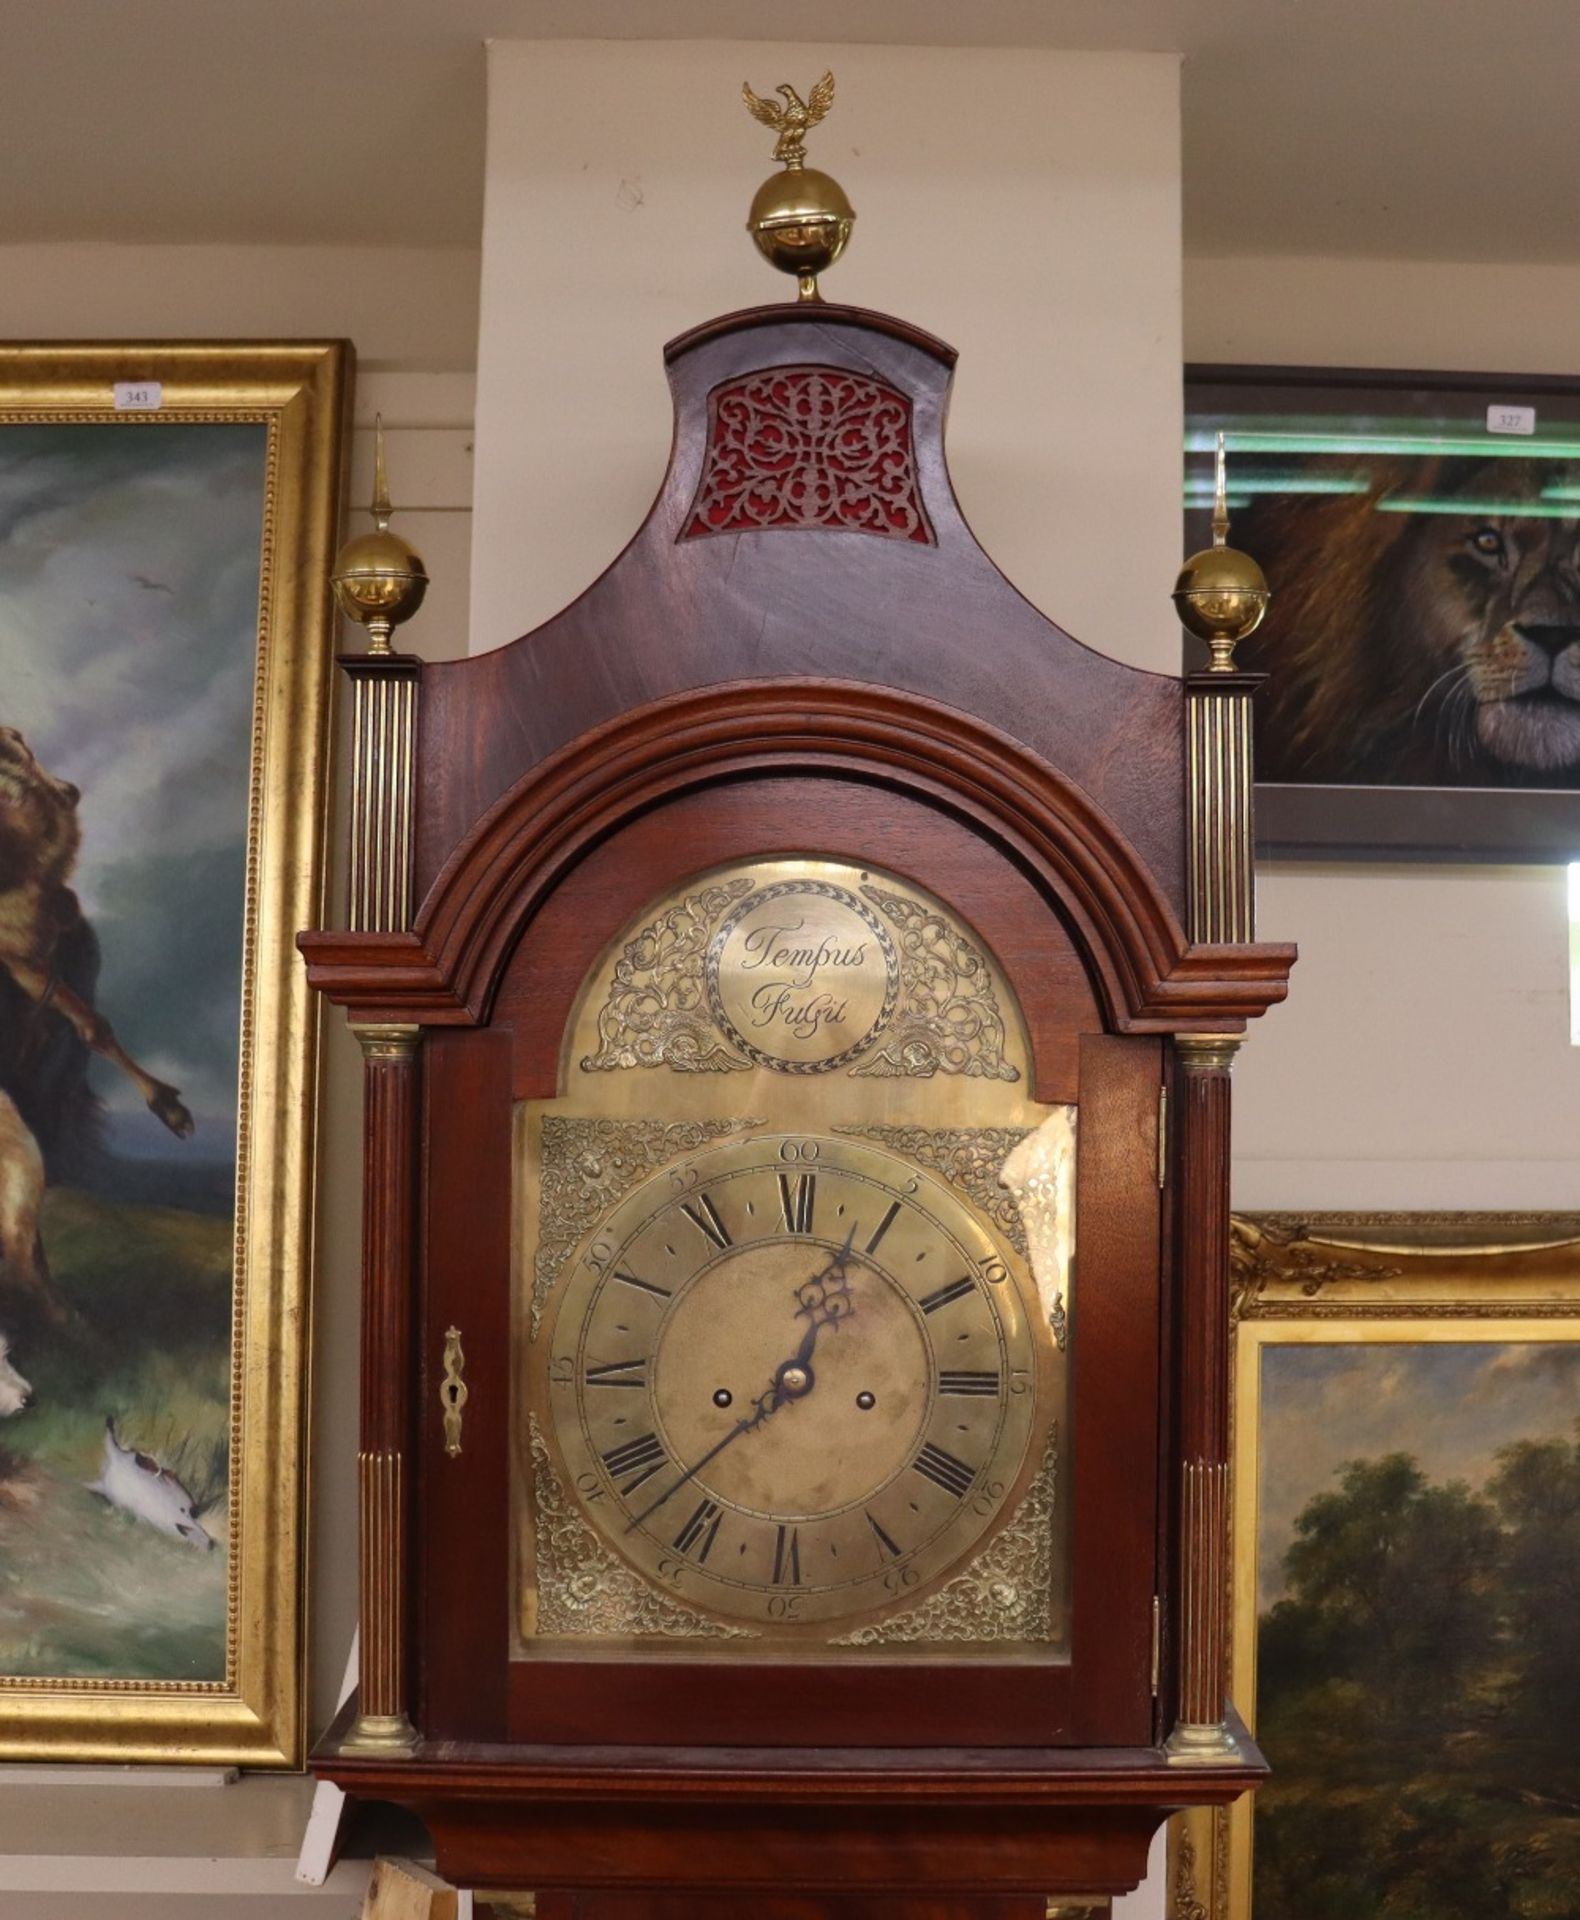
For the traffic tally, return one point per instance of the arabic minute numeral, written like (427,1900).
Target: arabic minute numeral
(944,1470)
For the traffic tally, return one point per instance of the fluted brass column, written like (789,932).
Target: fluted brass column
(1202,1619)
(390,1089)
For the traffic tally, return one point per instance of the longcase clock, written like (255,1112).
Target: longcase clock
(798,986)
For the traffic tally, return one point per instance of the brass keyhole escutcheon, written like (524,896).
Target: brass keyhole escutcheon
(453,1390)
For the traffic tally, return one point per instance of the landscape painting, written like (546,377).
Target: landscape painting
(1418,1630)
(163,703)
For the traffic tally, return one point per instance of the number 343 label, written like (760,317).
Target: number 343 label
(139,396)
(1511,419)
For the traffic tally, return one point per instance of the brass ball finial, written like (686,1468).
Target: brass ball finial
(379,578)
(1221,593)
(800,219)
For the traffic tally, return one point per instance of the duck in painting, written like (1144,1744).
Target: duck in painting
(140,1486)
(14,1390)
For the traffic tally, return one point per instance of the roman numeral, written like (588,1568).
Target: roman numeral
(704,1216)
(883,1227)
(704,1526)
(787,1558)
(797,1198)
(967,1383)
(944,1470)
(646,1286)
(618,1373)
(641,1458)
(885,1544)
(941,1296)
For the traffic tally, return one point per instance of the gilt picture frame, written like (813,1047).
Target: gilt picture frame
(1417,531)
(168,519)
(1407,1380)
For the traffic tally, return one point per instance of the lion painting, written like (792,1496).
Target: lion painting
(1424,631)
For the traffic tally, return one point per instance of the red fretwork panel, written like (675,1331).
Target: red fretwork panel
(808,447)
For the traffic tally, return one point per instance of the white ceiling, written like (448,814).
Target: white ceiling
(1434,129)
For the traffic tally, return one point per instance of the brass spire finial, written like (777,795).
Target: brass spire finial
(381,481)
(800,219)
(379,578)
(1221,593)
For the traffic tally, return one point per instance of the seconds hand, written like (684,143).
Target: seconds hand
(775,1396)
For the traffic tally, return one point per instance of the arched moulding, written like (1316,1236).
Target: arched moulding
(1149,978)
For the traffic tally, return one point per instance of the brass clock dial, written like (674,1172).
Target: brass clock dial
(794,1379)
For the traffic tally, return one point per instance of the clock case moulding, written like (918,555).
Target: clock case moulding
(845,675)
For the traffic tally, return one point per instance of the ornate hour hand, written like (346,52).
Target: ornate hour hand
(823,1300)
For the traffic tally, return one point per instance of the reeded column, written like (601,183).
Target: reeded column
(1200,1735)
(390,1089)
(1220,825)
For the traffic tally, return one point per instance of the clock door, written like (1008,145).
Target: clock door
(810,1300)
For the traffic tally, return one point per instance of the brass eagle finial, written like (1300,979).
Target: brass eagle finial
(792,121)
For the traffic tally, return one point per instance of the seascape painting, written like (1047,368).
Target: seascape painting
(1418,1629)
(1424,561)
(130,558)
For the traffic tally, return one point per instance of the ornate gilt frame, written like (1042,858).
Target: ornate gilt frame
(300,392)
(1360,1277)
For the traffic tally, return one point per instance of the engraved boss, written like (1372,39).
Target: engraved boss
(802,976)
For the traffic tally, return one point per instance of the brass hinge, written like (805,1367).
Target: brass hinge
(1157,1645)
(1163,1136)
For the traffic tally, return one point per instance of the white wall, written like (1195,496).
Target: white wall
(1022,204)
(1423,1057)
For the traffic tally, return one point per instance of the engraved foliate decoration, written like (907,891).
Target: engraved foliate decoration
(949,1022)
(802,977)
(1006,1594)
(809,447)
(584,1588)
(781,967)
(656,1014)
(590,1164)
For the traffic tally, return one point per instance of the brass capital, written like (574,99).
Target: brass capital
(387,1040)
(1207,1052)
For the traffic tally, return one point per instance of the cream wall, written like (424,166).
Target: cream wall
(1423,1057)
(1022,204)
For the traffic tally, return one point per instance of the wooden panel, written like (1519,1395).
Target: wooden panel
(1114,1343)
(463,1533)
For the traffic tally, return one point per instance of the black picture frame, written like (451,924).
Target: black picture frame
(1402,417)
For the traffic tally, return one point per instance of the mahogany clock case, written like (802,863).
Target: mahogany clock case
(761,678)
